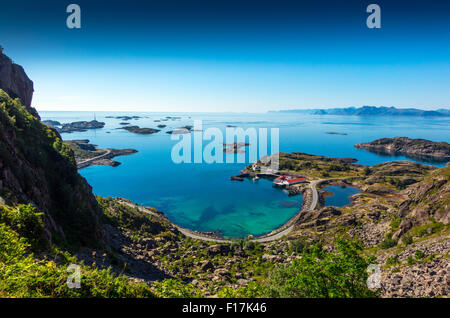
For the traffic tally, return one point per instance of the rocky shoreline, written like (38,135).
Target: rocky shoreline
(106,159)
(87,154)
(77,126)
(140,131)
(413,148)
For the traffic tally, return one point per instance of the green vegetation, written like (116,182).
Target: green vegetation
(419,254)
(42,169)
(25,221)
(83,150)
(318,166)
(407,239)
(427,229)
(21,275)
(175,288)
(316,274)
(392,261)
(388,242)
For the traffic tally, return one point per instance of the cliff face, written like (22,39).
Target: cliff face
(15,82)
(37,167)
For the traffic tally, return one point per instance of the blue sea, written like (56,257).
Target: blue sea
(200,196)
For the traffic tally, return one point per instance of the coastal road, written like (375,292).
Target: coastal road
(86,162)
(265,239)
(186,232)
(286,231)
(269,238)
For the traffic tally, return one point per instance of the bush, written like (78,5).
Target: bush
(317,274)
(393,260)
(419,254)
(298,246)
(28,223)
(23,276)
(249,245)
(174,288)
(407,239)
(388,242)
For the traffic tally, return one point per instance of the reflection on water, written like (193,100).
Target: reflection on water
(415,157)
(340,195)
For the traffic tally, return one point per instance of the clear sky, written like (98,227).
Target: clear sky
(230,55)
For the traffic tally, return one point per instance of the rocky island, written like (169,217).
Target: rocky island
(126,118)
(79,126)
(235,147)
(140,131)
(413,148)
(87,154)
(181,130)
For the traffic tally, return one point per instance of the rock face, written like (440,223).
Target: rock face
(36,167)
(15,82)
(413,148)
(428,199)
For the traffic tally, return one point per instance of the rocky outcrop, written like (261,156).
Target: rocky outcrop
(428,200)
(36,167)
(417,275)
(15,82)
(414,148)
(140,131)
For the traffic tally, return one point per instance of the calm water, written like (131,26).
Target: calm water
(201,196)
(341,196)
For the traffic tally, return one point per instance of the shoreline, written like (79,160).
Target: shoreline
(311,199)
(279,232)
(105,159)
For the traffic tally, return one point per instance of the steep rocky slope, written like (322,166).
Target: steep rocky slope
(15,82)
(37,167)
(402,218)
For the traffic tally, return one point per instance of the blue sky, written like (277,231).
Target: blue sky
(246,55)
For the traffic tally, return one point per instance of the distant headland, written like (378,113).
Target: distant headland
(371,111)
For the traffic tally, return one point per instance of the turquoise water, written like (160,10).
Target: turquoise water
(341,196)
(201,196)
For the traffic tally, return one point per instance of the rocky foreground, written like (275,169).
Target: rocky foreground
(409,147)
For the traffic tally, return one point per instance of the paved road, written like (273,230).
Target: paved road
(84,163)
(273,237)
(186,232)
(286,231)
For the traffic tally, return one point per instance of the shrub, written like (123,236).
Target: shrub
(407,239)
(28,223)
(298,246)
(23,276)
(393,260)
(410,260)
(249,245)
(318,274)
(419,254)
(175,288)
(388,242)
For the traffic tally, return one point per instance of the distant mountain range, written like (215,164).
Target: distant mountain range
(371,111)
